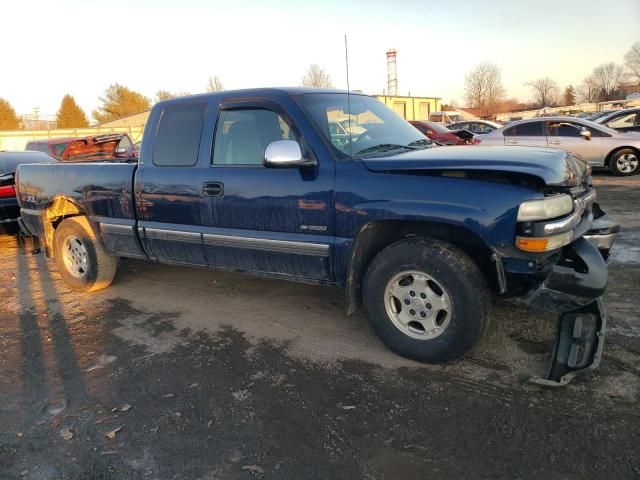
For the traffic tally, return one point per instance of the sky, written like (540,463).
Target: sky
(54,47)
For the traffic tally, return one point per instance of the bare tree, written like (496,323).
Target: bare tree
(632,62)
(588,91)
(545,91)
(316,77)
(166,95)
(483,88)
(608,77)
(215,84)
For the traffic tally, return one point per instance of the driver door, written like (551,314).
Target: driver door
(259,219)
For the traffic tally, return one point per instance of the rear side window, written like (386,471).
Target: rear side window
(178,137)
(530,129)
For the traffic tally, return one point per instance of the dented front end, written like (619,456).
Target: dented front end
(568,279)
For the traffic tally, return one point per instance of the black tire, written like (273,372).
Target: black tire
(100,267)
(617,166)
(458,276)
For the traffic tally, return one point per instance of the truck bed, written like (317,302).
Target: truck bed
(102,190)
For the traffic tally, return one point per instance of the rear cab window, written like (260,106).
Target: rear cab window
(178,135)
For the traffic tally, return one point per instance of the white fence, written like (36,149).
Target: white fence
(17,139)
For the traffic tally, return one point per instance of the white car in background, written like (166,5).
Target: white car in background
(599,145)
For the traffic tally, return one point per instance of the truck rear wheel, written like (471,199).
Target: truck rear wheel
(82,260)
(426,299)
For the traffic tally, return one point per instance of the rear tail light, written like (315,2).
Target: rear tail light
(7,191)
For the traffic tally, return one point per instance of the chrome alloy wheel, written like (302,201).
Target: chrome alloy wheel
(418,305)
(627,163)
(74,255)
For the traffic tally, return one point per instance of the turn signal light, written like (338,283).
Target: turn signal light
(544,244)
(7,191)
(532,244)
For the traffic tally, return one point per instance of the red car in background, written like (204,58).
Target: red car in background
(113,146)
(440,134)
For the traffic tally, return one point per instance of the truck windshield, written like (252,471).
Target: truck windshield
(375,129)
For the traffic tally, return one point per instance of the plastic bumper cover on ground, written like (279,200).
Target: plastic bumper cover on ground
(578,345)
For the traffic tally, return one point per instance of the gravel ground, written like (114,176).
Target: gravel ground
(184,373)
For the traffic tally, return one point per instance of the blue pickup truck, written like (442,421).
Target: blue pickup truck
(419,236)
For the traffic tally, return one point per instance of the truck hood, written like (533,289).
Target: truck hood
(554,167)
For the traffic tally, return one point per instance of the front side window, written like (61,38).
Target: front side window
(374,127)
(125,144)
(178,137)
(242,135)
(564,129)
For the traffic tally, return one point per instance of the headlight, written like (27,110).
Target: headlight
(550,207)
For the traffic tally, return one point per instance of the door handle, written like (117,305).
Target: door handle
(554,142)
(213,189)
(512,142)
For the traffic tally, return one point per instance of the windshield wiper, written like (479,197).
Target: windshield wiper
(423,142)
(384,147)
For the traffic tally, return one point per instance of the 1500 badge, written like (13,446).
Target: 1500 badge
(315,228)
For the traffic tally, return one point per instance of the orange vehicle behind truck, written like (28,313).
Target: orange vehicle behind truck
(96,148)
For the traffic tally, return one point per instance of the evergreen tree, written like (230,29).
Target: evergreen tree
(569,95)
(70,115)
(8,118)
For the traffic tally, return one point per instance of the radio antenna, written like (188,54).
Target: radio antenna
(346,59)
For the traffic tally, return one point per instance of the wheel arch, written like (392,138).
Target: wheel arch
(377,235)
(59,209)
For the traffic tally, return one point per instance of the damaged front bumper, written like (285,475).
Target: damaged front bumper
(578,345)
(573,288)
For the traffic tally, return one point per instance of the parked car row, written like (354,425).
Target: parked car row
(596,143)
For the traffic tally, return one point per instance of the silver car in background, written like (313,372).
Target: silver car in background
(599,145)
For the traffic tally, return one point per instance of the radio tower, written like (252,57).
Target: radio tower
(392,73)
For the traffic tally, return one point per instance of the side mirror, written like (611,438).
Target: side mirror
(284,154)
(586,134)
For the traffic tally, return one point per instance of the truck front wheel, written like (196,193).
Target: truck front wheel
(82,260)
(426,299)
